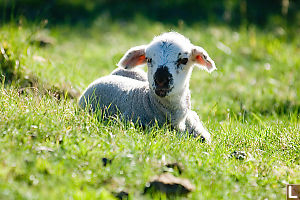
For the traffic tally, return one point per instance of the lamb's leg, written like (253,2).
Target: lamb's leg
(194,126)
(137,74)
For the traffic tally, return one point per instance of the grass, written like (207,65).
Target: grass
(52,150)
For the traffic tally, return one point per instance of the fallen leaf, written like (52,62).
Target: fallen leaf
(239,155)
(43,148)
(106,161)
(169,184)
(39,58)
(175,166)
(43,41)
(121,195)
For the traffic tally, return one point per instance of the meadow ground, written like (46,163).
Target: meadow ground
(50,149)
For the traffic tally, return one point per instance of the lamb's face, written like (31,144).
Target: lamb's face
(169,68)
(170,58)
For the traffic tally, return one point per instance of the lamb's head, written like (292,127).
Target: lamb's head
(170,58)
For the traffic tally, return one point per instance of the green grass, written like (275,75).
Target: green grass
(52,150)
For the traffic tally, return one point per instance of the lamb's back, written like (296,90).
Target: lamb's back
(116,94)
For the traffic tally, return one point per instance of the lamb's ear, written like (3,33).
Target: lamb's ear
(133,57)
(202,59)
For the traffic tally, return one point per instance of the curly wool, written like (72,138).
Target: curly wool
(132,98)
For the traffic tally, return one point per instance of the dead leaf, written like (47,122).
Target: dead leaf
(239,155)
(106,161)
(43,148)
(39,58)
(121,195)
(43,40)
(176,166)
(169,184)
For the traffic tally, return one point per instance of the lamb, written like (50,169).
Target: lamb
(162,95)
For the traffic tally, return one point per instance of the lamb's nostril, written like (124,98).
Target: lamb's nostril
(160,82)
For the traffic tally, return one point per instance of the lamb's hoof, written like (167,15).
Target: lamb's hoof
(204,139)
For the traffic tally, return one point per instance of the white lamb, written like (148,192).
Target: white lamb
(162,96)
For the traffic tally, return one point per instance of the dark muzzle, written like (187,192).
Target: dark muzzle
(162,80)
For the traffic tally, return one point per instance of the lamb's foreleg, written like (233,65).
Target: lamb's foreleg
(194,126)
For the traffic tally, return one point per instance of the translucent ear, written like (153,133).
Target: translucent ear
(201,59)
(133,57)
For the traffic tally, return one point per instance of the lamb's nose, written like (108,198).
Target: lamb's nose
(160,81)
(162,77)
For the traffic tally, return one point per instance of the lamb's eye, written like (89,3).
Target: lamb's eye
(182,61)
(149,60)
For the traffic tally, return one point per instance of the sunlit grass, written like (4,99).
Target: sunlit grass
(51,150)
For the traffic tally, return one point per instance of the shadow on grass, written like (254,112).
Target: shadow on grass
(169,12)
(274,107)
(284,107)
(11,73)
